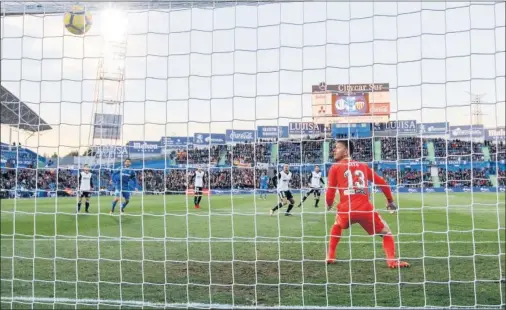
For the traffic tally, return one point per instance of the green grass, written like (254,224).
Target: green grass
(231,252)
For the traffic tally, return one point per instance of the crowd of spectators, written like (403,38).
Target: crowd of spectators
(458,149)
(305,152)
(501,178)
(242,170)
(465,177)
(238,153)
(363,150)
(150,180)
(497,151)
(242,153)
(179,180)
(393,149)
(407,177)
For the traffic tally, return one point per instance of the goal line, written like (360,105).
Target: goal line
(134,303)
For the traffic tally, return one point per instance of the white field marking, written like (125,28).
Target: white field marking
(236,240)
(136,303)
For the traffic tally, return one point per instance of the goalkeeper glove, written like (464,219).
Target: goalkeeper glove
(392,207)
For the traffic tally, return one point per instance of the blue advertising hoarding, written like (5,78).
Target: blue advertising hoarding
(475,189)
(451,165)
(497,134)
(271,132)
(352,130)
(467,131)
(283,132)
(110,151)
(267,132)
(404,190)
(176,141)
(144,147)
(201,138)
(404,126)
(433,129)
(305,128)
(239,135)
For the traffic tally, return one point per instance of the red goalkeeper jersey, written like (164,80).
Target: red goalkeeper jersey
(351,178)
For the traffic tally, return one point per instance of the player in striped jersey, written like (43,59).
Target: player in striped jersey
(198,180)
(284,193)
(315,183)
(85,188)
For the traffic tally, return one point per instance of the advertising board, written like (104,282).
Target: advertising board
(350,103)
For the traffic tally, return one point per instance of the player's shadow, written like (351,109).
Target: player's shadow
(122,219)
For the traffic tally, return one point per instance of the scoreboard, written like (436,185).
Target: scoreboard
(351,103)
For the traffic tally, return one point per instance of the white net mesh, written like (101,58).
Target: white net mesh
(176,86)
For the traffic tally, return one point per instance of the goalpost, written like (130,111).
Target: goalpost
(197,79)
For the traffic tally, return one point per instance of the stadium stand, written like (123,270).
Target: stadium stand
(239,166)
(16,114)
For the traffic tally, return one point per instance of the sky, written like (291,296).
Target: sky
(208,70)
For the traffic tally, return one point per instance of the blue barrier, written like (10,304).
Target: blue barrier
(402,190)
(500,189)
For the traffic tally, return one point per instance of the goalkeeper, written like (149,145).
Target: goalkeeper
(350,178)
(125,181)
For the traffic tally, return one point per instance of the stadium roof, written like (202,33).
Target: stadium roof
(17,114)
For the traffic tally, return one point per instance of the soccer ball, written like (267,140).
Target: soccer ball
(78,21)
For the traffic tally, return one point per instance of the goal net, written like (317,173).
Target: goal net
(209,101)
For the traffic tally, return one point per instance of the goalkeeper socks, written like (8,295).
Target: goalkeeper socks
(278,206)
(87,206)
(114,205)
(123,206)
(195,200)
(290,207)
(335,236)
(78,207)
(199,199)
(389,246)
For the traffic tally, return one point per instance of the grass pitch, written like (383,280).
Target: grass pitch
(164,253)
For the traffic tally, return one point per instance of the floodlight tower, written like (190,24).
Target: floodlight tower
(109,86)
(477,112)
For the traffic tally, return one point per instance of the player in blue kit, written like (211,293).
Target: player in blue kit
(264,184)
(125,181)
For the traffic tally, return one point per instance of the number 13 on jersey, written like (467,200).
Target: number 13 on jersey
(357,182)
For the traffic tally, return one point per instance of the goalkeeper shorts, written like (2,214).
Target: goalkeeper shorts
(369,219)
